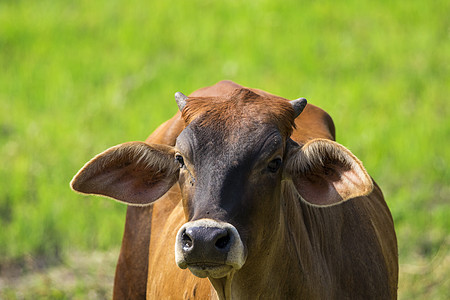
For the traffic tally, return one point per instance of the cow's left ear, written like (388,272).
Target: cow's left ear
(326,173)
(135,173)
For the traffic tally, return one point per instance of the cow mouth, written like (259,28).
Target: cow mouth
(212,270)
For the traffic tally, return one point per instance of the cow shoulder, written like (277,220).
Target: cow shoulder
(132,267)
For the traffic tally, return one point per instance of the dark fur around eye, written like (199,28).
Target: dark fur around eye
(274,165)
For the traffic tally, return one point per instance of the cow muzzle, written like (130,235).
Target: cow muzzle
(209,248)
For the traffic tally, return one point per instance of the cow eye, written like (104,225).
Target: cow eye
(274,165)
(180,160)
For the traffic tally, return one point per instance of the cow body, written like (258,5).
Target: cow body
(288,247)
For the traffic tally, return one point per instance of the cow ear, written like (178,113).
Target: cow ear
(326,173)
(135,173)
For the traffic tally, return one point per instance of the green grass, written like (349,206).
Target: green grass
(77,77)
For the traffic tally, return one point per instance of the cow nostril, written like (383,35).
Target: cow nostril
(223,242)
(186,240)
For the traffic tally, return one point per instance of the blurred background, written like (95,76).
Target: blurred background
(77,77)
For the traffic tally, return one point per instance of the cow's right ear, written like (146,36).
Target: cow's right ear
(135,173)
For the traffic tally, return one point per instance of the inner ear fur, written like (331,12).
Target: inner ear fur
(135,173)
(326,173)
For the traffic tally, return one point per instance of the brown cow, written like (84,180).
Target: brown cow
(254,213)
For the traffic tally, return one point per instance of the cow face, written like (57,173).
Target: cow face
(230,181)
(231,162)
(231,155)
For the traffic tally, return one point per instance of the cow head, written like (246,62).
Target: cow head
(232,161)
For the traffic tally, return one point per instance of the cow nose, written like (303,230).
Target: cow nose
(212,240)
(207,244)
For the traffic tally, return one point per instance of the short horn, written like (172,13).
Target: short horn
(181,100)
(298,105)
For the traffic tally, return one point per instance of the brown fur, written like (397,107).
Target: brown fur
(132,267)
(239,105)
(327,242)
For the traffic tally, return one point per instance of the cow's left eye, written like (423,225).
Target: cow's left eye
(274,165)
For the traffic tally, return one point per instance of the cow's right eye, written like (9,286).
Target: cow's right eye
(180,160)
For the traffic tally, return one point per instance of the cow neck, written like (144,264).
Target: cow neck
(264,275)
(255,279)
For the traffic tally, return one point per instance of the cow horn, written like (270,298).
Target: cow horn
(181,100)
(298,105)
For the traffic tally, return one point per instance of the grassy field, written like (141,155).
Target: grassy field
(77,77)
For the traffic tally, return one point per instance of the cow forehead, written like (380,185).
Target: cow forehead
(241,111)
